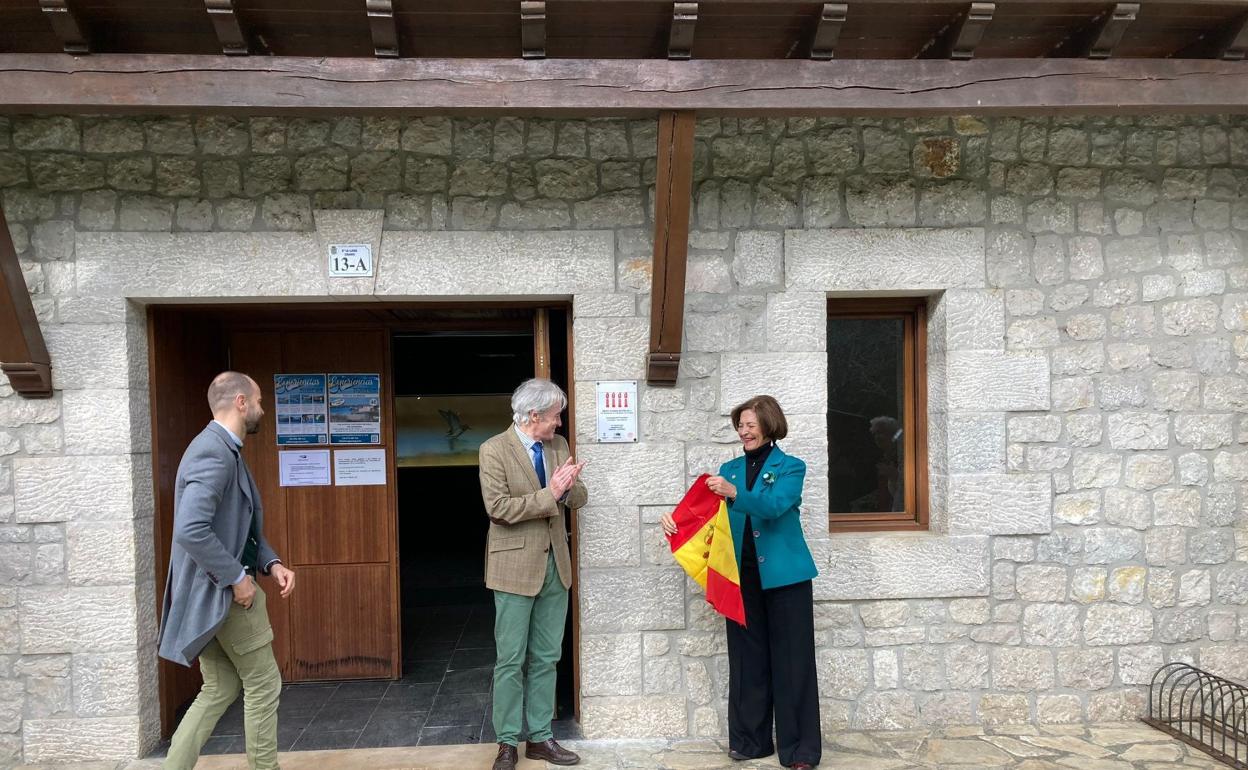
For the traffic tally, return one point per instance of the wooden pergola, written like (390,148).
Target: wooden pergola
(607,57)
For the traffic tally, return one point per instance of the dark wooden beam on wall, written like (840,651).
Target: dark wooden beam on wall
(152,84)
(533,29)
(23,354)
(65,23)
(229,30)
(673,192)
(1112,28)
(1236,47)
(680,37)
(828,31)
(381,25)
(971,29)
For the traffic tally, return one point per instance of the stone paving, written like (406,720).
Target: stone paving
(1103,746)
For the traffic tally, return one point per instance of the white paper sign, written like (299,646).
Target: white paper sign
(350,260)
(359,467)
(305,468)
(617,412)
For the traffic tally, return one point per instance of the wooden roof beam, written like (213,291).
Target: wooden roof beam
(1112,27)
(971,30)
(23,354)
(229,30)
(680,38)
(381,26)
(673,193)
(66,25)
(533,29)
(828,31)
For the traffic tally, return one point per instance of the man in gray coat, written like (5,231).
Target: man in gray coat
(213,609)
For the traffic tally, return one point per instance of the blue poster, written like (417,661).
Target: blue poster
(301,409)
(355,408)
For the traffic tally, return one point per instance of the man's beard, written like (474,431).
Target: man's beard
(253,426)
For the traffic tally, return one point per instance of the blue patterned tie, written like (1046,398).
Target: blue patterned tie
(539,464)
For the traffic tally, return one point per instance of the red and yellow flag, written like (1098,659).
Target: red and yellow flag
(703,546)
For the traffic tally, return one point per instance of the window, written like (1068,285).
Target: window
(877,414)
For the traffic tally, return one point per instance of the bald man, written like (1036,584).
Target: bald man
(213,609)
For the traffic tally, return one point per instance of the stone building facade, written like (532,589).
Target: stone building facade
(1088,405)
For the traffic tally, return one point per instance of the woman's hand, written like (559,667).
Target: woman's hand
(669,524)
(722,487)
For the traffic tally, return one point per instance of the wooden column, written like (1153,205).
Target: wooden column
(23,354)
(673,191)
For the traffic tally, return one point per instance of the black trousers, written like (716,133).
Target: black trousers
(771,668)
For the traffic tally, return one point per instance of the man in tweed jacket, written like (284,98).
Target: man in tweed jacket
(528,479)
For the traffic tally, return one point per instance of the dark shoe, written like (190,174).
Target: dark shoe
(549,751)
(802,766)
(506,759)
(736,755)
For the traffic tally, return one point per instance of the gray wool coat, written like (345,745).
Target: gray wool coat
(214,499)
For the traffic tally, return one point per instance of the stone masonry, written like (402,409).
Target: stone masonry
(1088,346)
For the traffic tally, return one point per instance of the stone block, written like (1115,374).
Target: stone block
(843,673)
(634,717)
(1114,624)
(91,620)
(96,355)
(612,665)
(974,320)
(614,601)
(604,305)
(909,258)
(461,263)
(983,380)
(609,537)
(1051,625)
(797,380)
(1139,430)
(1000,504)
(106,422)
(106,685)
(759,259)
(1021,668)
(611,348)
(49,489)
(797,322)
(633,474)
(903,566)
(100,553)
(79,740)
(976,442)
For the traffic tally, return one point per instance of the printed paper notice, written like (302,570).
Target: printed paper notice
(359,467)
(300,409)
(304,468)
(355,408)
(617,412)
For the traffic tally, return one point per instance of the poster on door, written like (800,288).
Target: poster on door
(355,408)
(300,409)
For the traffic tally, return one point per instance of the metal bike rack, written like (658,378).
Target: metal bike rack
(1202,710)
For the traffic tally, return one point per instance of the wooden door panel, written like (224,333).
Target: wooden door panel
(343,622)
(259,354)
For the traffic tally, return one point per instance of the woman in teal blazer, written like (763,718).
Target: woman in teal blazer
(771,660)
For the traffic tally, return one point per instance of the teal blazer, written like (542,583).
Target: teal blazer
(783,557)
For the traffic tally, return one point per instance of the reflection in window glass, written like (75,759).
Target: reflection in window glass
(865,412)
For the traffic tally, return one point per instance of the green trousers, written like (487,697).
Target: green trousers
(528,635)
(239,657)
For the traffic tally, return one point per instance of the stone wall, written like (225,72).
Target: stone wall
(1089,410)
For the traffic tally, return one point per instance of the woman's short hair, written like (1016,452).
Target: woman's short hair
(768,413)
(536,395)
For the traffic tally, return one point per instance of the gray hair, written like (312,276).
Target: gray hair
(226,386)
(536,395)
(889,424)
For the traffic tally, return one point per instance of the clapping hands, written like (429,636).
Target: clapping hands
(565,477)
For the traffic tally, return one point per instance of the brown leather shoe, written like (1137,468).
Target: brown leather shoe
(551,752)
(506,759)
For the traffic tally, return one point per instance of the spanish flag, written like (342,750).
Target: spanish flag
(703,546)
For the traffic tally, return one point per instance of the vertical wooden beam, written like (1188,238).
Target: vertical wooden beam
(533,29)
(673,189)
(1112,29)
(66,25)
(828,30)
(381,25)
(680,38)
(971,30)
(229,31)
(23,354)
(541,343)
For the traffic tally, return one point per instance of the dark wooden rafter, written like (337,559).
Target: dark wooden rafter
(167,83)
(23,354)
(533,29)
(828,30)
(229,30)
(66,25)
(1112,27)
(381,25)
(680,37)
(673,193)
(1236,47)
(971,30)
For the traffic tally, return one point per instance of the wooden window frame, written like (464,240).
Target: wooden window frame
(913,312)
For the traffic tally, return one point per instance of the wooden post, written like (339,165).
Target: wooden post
(23,354)
(673,191)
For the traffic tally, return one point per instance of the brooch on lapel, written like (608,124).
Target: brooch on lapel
(769,477)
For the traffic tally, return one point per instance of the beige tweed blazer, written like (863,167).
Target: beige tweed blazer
(526,521)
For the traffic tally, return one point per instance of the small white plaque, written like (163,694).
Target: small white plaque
(350,260)
(359,467)
(304,468)
(617,412)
